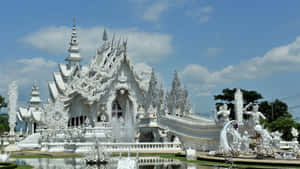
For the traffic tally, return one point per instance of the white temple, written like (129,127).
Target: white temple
(110,100)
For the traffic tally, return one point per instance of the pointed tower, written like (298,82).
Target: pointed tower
(153,92)
(176,85)
(238,105)
(74,57)
(106,43)
(35,99)
(104,36)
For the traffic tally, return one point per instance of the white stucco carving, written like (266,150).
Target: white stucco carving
(12,106)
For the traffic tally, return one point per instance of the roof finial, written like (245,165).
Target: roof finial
(74,51)
(125,45)
(104,37)
(34,87)
(74,21)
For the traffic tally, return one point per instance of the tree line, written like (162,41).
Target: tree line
(4,127)
(278,118)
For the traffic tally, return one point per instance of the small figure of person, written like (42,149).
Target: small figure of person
(236,125)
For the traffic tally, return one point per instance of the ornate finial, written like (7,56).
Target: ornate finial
(125,46)
(74,51)
(112,41)
(74,21)
(34,87)
(104,37)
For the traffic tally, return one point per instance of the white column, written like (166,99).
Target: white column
(32,128)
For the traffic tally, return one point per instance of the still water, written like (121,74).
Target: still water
(143,163)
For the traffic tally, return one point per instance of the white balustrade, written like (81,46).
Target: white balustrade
(113,147)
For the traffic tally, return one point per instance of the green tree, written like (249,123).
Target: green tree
(3,116)
(2,102)
(277,116)
(227,97)
(283,125)
(274,110)
(248,96)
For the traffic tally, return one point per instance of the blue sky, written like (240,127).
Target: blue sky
(213,44)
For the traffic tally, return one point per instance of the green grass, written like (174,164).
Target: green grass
(8,165)
(24,167)
(221,164)
(203,162)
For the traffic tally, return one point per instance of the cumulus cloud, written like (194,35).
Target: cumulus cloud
(25,71)
(151,11)
(154,12)
(142,46)
(280,59)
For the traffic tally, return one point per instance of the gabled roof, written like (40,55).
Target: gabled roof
(91,81)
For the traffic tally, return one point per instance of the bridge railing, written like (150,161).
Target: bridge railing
(112,147)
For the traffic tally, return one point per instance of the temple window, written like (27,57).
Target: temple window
(116,109)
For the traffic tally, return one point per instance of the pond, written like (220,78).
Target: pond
(79,163)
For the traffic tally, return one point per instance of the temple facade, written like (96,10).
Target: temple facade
(114,100)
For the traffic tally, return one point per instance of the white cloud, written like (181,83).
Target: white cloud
(280,59)
(25,71)
(142,46)
(34,64)
(154,11)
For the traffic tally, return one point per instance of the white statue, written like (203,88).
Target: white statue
(103,117)
(12,106)
(223,113)
(151,111)
(87,122)
(255,115)
(295,133)
(4,157)
(245,142)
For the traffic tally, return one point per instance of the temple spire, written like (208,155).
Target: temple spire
(176,85)
(35,99)
(104,36)
(74,51)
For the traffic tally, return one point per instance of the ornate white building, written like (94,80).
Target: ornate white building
(112,101)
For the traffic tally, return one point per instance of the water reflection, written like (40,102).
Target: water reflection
(78,163)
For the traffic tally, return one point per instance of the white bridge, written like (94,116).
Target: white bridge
(166,147)
(148,161)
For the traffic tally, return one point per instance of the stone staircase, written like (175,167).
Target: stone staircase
(30,142)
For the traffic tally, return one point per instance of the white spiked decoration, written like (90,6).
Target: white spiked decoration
(12,106)
(35,99)
(104,37)
(74,50)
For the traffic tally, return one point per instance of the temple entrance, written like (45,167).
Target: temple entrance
(123,117)
(116,109)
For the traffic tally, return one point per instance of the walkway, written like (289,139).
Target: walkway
(249,160)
